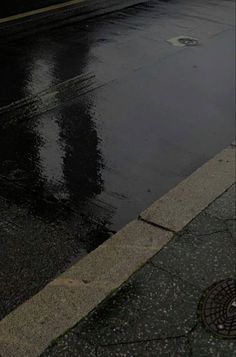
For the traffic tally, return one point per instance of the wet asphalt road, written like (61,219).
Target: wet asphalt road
(97,120)
(14,7)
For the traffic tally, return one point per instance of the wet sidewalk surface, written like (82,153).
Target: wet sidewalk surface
(155,313)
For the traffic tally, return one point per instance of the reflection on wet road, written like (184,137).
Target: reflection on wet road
(97,120)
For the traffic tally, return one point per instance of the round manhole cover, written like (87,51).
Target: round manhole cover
(188,41)
(217,308)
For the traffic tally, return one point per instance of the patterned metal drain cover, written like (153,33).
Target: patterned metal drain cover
(217,308)
(183,41)
(188,41)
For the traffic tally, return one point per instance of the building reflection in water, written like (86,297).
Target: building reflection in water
(54,157)
(50,174)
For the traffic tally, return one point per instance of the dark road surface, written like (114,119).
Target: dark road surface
(97,120)
(14,7)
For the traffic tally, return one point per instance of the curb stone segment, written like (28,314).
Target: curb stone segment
(180,205)
(29,329)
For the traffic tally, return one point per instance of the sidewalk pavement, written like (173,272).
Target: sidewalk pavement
(155,313)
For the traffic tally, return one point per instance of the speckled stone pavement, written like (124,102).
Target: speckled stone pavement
(155,312)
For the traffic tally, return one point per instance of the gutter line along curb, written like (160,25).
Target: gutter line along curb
(28,330)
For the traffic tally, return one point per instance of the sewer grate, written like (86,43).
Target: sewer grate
(217,308)
(183,41)
(188,41)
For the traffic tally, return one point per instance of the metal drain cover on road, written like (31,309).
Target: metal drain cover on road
(217,308)
(183,41)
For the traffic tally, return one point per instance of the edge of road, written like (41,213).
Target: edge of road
(28,330)
(68,11)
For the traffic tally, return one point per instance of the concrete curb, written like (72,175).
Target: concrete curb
(29,329)
(180,205)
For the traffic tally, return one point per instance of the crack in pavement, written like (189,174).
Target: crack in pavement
(142,341)
(174,276)
(189,339)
